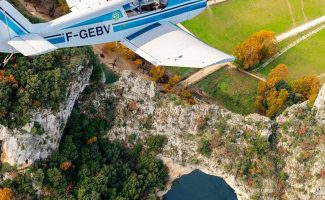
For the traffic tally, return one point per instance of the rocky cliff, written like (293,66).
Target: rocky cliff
(320,106)
(258,157)
(23,146)
(249,152)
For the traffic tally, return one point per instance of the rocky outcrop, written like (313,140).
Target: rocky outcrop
(155,114)
(23,146)
(141,111)
(320,106)
(302,141)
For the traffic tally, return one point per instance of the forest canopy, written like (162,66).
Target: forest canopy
(38,82)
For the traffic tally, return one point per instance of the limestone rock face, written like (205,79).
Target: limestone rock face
(157,115)
(320,105)
(141,111)
(21,147)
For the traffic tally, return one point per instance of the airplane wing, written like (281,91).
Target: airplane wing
(76,5)
(166,44)
(31,45)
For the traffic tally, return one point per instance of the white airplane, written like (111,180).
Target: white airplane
(148,27)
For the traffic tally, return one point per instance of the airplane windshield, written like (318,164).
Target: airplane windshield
(142,6)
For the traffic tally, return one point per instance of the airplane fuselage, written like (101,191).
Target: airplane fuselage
(108,23)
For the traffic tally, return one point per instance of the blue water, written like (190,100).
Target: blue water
(200,186)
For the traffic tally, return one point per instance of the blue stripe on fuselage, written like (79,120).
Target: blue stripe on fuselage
(11,24)
(56,40)
(158,16)
(142,31)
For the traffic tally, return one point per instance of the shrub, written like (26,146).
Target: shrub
(205,147)
(156,143)
(6,194)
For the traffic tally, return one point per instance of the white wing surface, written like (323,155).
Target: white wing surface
(166,44)
(31,45)
(76,5)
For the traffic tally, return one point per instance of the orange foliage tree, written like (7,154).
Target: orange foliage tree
(276,101)
(65,165)
(157,73)
(268,42)
(6,194)
(171,83)
(187,96)
(276,93)
(92,140)
(248,53)
(269,99)
(260,46)
(308,87)
(10,79)
(279,72)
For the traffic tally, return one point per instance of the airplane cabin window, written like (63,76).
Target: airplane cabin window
(138,7)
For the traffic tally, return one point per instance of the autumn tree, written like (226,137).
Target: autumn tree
(92,140)
(157,73)
(268,42)
(187,96)
(276,93)
(171,82)
(308,87)
(260,46)
(248,53)
(272,95)
(6,194)
(65,165)
(276,101)
(279,72)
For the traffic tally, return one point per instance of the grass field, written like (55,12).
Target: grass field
(227,24)
(307,58)
(181,71)
(232,89)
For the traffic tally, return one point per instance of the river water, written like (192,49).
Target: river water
(200,186)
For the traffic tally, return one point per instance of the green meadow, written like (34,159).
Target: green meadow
(225,25)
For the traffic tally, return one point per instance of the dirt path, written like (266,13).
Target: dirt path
(291,13)
(248,73)
(290,46)
(201,74)
(303,10)
(252,75)
(322,75)
(108,57)
(204,72)
(293,32)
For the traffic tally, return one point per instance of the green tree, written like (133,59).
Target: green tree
(205,147)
